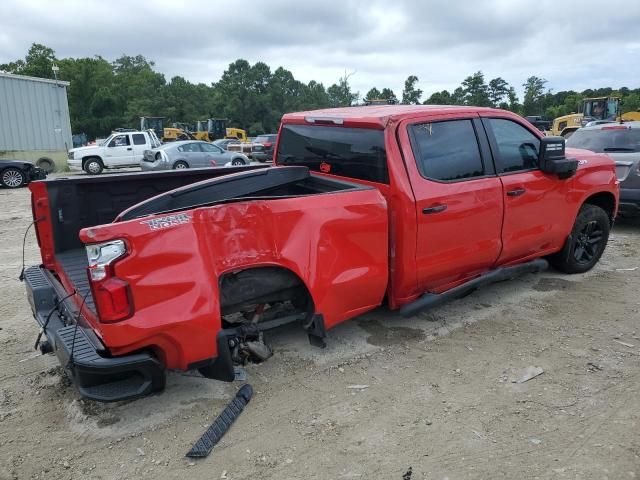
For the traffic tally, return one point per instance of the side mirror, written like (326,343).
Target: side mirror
(552,158)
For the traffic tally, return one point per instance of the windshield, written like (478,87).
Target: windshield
(349,152)
(607,139)
(602,109)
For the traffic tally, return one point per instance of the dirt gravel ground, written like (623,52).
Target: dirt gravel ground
(434,396)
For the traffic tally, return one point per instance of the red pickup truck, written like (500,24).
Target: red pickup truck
(406,205)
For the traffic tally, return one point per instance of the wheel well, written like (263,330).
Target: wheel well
(241,290)
(604,200)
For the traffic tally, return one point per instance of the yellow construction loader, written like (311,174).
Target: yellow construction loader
(216,128)
(601,109)
(178,131)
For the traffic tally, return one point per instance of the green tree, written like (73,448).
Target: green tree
(513,102)
(38,62)
(475,91)
(498,91)
(340,94)
(439,98)
(631,103)
(533,95)
(411,95)
(388,94)
(373,94)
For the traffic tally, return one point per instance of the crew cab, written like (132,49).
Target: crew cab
(122,149)
(408,206)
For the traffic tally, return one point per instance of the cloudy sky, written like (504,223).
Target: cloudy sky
(573,44)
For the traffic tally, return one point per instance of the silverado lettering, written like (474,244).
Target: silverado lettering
(407,205)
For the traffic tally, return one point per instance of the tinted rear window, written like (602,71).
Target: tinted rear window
(606,140)
(138,139)
(349,152)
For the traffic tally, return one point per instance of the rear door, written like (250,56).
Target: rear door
(140,144)
(458,199)
(536,219)
(119,151)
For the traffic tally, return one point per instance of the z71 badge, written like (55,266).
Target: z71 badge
(166,222)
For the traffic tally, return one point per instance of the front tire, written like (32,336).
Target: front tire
(93,166)
(587,241)
(238,161)
(12,178)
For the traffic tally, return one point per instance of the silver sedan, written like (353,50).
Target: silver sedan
(189,154)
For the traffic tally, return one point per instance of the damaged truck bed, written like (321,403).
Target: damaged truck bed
(168,285)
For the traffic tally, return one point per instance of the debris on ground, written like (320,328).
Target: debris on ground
(240,374)
(624,344)
(407,474)
(535,441)
(358,387)
(593,366)
(633,269)
(529,373)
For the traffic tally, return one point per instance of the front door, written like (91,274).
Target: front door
(535,217)
(192,154)
(119,151)
(458,200)
(213,153)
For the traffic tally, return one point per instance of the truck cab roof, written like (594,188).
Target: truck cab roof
(375,115)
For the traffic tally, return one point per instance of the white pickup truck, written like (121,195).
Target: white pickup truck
(120,150)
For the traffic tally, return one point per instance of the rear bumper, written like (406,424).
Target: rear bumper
(629,202)
(153,166)
(96,374)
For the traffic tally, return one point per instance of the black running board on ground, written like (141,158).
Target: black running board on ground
(222,424)
(429,300)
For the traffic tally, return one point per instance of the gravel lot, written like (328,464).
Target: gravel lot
(436,392)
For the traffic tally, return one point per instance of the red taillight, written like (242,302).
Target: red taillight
(267,144)
(111,295)
(213,163)
(617,127)
(113,299)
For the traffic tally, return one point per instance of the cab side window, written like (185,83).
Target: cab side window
(138,139)
(517,148)
(446,151)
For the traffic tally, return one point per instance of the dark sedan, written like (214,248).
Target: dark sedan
(263,147)
(16,173)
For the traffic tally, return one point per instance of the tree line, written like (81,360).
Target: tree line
(104,95)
